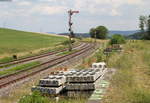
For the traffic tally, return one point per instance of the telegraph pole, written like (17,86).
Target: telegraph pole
(95,39)
(70,12)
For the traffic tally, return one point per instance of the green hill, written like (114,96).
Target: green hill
(137,36)
(14,41)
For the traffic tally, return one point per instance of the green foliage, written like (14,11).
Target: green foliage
(100,56)
(141,96)
(147,36)
(92,32)
(117,39)
(130,84)
(67,52)
(66,42)
(142,22)
(6,59)
(145,26)
(36,97)
(99,32)
(13,41)
(17,68)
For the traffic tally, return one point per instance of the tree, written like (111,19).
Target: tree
(148,28)
(142,23)
(100,32)
(92,32)
(117,39)
(145,26)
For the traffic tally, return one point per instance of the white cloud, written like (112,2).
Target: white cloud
(114,12)
(120,13)
(48,10)
(23,3)
(111,6)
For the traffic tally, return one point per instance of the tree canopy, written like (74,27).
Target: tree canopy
(145,26)
(117,39)
(99,32)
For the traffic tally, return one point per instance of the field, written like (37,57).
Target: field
(131,83)
(13,41)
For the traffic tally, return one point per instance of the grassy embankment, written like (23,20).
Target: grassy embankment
(131,83)
(18,68)
(25,43)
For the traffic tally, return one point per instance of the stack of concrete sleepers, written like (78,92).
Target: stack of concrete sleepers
(52,85)
(82,79)
(73,81)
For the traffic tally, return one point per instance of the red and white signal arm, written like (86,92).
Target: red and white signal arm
(70,11)
(75,11)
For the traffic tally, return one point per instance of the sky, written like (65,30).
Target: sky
(51,15)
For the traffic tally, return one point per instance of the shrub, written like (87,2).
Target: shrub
(67,42)
(99,32)
(36,97)
(100,56)
(141,96)
(117,39)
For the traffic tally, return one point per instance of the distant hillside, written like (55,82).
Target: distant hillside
(85,35)
(138,35)
(125,33)
(51,33)
(14,41)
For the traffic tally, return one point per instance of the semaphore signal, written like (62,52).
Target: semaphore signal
(71,34)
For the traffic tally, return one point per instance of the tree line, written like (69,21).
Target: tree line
(144,25)
(101,32)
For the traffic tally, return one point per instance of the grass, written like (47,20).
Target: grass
(131,83)
(13,41)
(36,97)
(67,52)
(8,59)
(92,40)
(96,57)
(18,68)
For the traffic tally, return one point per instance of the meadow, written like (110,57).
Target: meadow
(14,41)
(131,83)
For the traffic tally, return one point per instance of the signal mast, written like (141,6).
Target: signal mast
(71,34)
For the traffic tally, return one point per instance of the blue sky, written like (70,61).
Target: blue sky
(51,15)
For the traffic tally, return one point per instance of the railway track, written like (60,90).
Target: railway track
(36,57)
(10,79)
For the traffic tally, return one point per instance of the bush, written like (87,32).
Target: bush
(117,39)
(141,96)
(36,97)
(100,32)
(100,56)
(67,42)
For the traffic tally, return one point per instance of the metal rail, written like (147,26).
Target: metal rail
(33,57)
(10,79)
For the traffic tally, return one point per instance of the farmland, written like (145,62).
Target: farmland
(14,42)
